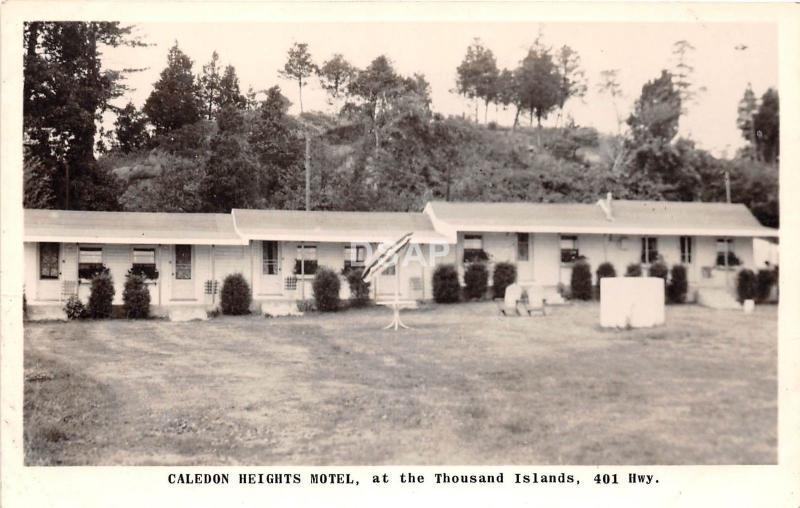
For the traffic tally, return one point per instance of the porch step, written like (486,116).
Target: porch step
(715,298)
(280,308)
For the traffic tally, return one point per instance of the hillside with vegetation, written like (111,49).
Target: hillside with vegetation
(199,144)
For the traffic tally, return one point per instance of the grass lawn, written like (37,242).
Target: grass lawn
(465,386)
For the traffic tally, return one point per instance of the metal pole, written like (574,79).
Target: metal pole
(727,186)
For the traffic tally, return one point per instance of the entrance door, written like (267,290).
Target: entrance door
(387,281)
(271,277)
(50,260)
(524,257)
(183,276)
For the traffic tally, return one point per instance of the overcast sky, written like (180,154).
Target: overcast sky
(638,50)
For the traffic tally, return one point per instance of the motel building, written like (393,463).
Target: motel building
(186,256)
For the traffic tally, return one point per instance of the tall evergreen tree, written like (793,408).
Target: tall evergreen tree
(229,93)
(657,111)
(208,87)
(299,67)
(65,92)
(174,102)
(539,85)
(766,126)
(131,129)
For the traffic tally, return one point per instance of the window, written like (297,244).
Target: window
(90,262)
(569,248)
(183,262)
(473,249)
(354,256)
(306,261)
(48,260)
(144,262)
(725,247)
(686,249)
(269,261)
(649,249)
(390,270)
(523,246)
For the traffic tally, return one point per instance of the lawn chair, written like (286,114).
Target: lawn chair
(509,305)
(533,302)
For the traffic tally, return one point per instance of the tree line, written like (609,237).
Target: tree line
(212,147)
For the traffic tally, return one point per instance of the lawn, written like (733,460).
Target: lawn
(465,386)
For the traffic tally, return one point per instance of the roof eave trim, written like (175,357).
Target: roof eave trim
(133,240)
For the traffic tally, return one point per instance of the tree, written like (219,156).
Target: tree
(230,180)
(682,72)
(131,129)
(174,101)
(65,93)
(373,90)
(299,67)
(573,79)
(748,106)
(208,87)
(506,89)
(334,76)
(657,111)
(477,76)
(766,126)
(539,85)
(277,149)
(229,93)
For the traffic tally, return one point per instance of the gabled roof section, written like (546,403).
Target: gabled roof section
(130,227)
(627,217)
(329,226)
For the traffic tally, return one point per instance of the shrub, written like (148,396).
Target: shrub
(446,288)
(605,269)
(633,270)
(306,305)
(764,281)
(746,285)
(101,296)
(135,296)
(678,285)
(504,275)
(581,281)
(359,290)
(476,280)
(235,297)
(24,306)
(326,290)
(74,308)
(658,269)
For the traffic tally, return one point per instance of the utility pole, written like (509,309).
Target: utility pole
(308,173)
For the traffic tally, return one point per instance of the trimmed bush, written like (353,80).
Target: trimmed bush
(605,269)
(476,281)
(446,288)
(581,281)
(101,296)
(359,290)
(74,308)
(764,281)
(746,285)
(136,296)
(235,297)
(504,275)
(633,270)
(658,269)
(326,290)
(678,285)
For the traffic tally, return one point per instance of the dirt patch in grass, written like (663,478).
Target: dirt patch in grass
(464,386)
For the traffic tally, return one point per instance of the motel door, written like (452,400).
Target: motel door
(524,257)
(387,282)
(271,279)
(183,273)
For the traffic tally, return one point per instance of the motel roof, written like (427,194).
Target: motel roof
(627,217)
(130,227)
(329,226)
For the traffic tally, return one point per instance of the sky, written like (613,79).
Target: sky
(638,50)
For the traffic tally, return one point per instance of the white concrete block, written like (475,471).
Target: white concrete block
(280,308)
(188,314)
(635,302)
(46,313)
(717,298)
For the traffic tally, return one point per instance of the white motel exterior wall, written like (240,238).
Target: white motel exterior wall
(214,262)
